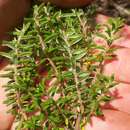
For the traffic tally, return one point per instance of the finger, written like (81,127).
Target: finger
(112,120)
(102,19)
(6,119)
(11,14)
(124,33)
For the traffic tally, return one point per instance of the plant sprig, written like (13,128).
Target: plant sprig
(59,42)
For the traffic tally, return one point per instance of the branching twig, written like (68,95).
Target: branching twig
(122,10)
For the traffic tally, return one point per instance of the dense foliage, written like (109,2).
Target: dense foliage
(56,79)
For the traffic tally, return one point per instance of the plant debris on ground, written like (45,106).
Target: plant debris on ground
(114,8)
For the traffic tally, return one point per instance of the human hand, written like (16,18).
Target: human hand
(120,119)
(11,14)
(116,113)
